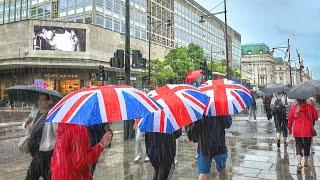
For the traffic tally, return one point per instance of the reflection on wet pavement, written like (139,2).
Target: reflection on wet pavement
(252,155)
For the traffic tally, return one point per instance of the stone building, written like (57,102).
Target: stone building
(257,65)
(102,23)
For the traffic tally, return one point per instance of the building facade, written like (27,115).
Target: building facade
(257,65)
(101,26)
(261,68)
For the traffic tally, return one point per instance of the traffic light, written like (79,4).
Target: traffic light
(119,58)
(136,55)
(112,62)
(101,75)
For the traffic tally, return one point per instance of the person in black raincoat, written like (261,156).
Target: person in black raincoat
(161,149)
(212,144)
(40,163)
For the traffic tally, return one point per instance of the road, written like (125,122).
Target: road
(252,155)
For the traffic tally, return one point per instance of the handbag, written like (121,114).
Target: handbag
(192,131)
(24,142)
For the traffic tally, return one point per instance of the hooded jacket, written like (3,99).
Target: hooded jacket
(72,154)
(301,119)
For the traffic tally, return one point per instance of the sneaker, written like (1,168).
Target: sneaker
(196,156)
(146,159)
(137,159)
(175,161)
(278,143)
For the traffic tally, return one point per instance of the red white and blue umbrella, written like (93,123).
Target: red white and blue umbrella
(101,104)
(226,97)
(181,105)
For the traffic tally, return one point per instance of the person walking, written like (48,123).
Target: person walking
(138,149)
(212,145)
(302,117)
(34,125)
(252,109)
(266,105)
(161,149)
(72,155)
(278,105)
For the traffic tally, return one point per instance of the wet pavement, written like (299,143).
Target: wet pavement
(252,155)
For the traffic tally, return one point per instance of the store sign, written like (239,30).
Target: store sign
(120,78)
(59,38)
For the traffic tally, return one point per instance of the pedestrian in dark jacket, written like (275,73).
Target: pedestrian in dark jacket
(278,105)
(267,106)
(212,145)
(40,163)
(161,149)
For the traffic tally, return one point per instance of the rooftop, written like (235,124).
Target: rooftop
(255,49)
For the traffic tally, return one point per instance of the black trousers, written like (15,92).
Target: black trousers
(303,145)
(161,169)
(40,166)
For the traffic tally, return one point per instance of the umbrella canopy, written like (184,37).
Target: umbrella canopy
(305,90)
(226,97)
(96,105)
(193,75)
(182,104)
(30,93)
(275,88)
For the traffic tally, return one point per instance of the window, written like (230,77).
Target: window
(99,20)
(108,23)
(260,52)
(117,26)
(88,20)
(249,52)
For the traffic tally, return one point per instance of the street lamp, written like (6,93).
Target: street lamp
(225,31)
(169,23)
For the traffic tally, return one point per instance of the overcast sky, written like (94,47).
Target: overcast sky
(274,21)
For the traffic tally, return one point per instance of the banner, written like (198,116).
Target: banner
(59,38)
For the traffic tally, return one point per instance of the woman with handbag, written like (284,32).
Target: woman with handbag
(40,164)
(301,120)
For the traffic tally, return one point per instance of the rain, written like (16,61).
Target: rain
(144,89)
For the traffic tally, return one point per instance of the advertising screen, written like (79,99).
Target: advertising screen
(59,38)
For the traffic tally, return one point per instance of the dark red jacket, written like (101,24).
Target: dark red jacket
(72,154)
(301,120)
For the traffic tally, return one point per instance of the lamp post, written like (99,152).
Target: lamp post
(225,28)
(150,34)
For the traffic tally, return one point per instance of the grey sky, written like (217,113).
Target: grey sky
(274,21)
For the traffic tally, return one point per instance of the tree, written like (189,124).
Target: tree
(162,73)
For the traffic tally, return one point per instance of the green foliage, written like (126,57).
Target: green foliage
(179,61)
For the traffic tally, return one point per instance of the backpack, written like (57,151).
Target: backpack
(278,106)
(192,131)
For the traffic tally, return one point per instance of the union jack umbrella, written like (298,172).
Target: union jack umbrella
(101,104)
(226,97)
(181,105)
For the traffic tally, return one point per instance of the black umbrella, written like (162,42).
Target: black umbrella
(305,90)
(275,88)
(30,93)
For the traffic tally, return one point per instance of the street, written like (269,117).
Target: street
(252,155)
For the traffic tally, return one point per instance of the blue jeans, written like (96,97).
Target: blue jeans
(204,163)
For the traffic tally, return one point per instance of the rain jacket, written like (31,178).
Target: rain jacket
(72,155)
(212,139)
(301,119)
(161,147)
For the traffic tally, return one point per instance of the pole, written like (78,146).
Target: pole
(149,66)
(128,125)
(289,61)
(211,65)
(300,66)
(226,38)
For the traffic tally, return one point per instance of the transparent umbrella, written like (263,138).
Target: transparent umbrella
(305,90)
